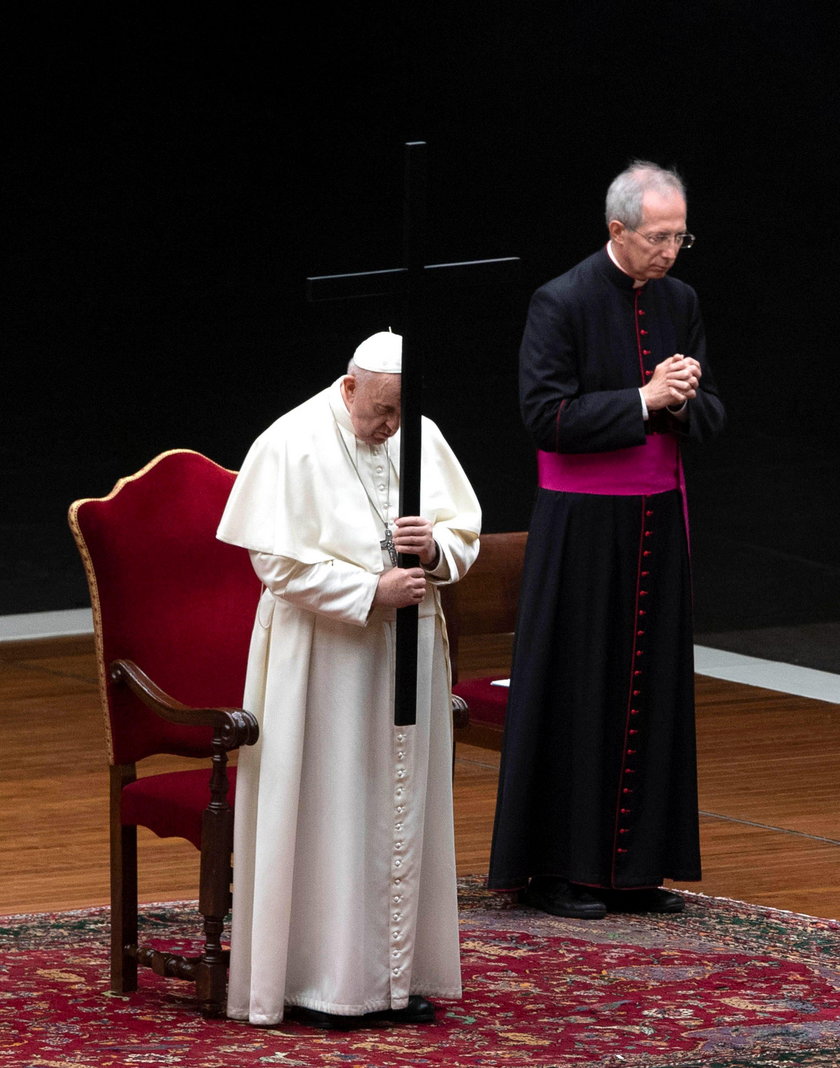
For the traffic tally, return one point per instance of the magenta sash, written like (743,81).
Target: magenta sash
(640,470)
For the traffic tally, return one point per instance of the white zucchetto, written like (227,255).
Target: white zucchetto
(381,352)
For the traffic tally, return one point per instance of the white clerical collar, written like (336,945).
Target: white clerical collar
(339,408)
(636,283)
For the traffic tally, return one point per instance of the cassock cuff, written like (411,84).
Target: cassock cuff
(440,570)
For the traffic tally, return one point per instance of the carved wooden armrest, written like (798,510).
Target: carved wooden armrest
(460,711)
(232,727)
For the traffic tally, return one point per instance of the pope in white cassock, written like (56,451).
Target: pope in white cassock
(344,901)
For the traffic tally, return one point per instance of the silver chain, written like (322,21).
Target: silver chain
(387,542)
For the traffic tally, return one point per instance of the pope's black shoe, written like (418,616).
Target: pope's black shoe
(562,898)
(327,1021)
(647,900)
(418,1010)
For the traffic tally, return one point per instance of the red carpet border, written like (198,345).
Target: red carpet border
(723,985)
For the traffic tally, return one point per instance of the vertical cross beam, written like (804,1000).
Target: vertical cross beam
(414,220)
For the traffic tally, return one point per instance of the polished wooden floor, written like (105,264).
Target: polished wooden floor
(768,765)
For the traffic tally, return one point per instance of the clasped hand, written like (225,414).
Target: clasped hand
(401,586)
(674,381)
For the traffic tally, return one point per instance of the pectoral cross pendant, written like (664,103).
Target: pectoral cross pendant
(387,543)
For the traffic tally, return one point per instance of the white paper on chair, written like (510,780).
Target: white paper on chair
(500,682)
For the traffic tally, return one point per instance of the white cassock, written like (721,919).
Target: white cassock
(345,896)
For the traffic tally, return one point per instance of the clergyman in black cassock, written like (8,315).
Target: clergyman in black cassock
(597,800)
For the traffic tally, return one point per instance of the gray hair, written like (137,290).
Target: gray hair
(356,371)
(625,194)
(361,374)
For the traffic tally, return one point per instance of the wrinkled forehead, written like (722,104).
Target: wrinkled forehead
(663,211)
(380,388)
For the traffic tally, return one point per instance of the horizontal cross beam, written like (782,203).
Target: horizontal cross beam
(436,276)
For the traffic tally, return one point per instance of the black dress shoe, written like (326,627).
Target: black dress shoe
(327,1021)
(418,1010)
(562,898)
(649,900)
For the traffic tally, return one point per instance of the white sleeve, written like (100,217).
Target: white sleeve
(331,587)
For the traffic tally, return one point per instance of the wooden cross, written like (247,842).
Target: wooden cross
(412,283)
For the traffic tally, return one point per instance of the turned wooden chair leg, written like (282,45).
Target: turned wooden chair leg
(215,889)
(123,889)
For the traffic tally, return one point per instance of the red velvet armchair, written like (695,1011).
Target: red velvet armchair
(173,609)
(480,615)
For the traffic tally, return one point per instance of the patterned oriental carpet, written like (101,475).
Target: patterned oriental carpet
(724,985)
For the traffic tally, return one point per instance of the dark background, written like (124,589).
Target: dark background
(173,178)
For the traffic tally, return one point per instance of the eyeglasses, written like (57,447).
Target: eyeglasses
(684,240)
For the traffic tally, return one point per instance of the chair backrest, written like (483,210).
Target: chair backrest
(167,594)
(483,605)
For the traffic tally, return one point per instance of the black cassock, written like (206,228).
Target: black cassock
(598,780)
